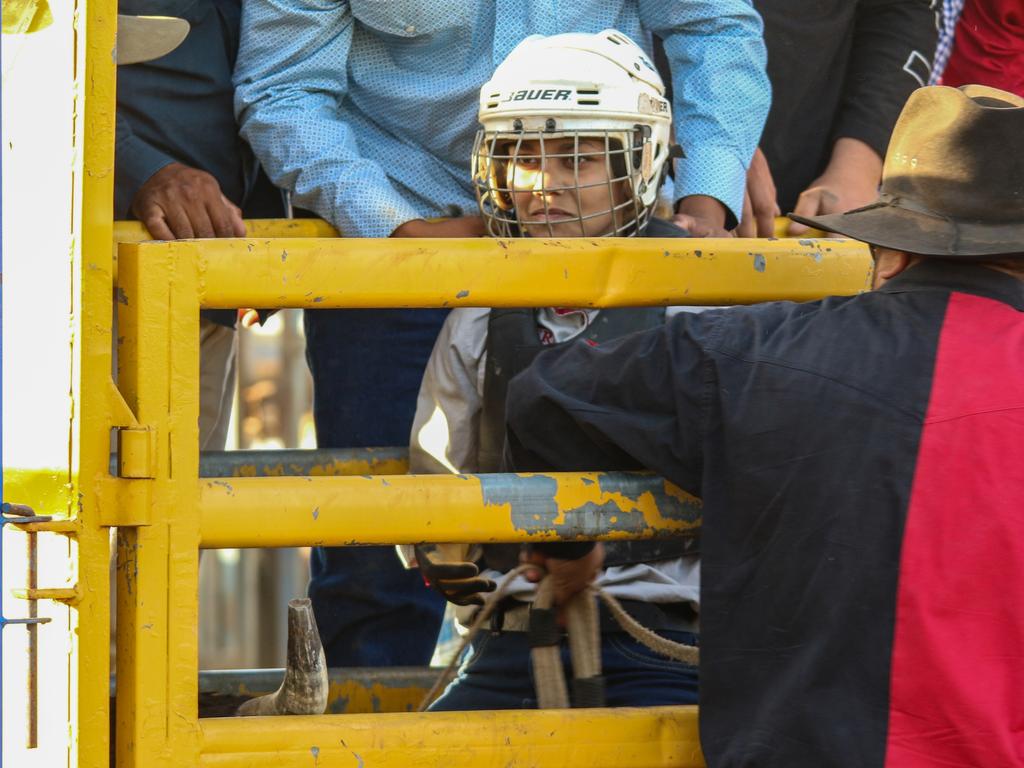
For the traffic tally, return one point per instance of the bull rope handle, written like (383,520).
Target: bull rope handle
(584,640)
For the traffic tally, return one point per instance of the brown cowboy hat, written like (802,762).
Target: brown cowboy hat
(953,179)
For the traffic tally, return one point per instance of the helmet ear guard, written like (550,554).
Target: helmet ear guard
(490,182)
(497,175)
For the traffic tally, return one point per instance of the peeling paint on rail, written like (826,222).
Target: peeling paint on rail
(537,505)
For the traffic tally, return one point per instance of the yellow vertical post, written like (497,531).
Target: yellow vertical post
(91,373)
(183,513)
(158,562)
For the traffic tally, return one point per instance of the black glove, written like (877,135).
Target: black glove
(460,582)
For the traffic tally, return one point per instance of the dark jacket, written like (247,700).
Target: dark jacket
(512,344)
(861,462)
(179,108)
(839,68)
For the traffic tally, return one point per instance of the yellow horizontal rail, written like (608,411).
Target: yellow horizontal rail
(408,509)
(657,737)
(354,272)
(136,232)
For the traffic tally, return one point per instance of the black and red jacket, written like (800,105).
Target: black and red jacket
(861,462)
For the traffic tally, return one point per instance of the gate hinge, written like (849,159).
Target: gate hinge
(136,452)
(123,505)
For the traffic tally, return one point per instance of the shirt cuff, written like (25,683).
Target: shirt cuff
(715,171)
(135,162)
(377,212)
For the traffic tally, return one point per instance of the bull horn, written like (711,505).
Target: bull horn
(304,688)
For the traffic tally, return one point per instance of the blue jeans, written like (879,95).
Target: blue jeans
(367,365)
(498,674)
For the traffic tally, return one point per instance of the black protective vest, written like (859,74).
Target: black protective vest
(512,343)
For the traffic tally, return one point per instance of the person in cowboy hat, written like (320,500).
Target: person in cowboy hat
(861,462)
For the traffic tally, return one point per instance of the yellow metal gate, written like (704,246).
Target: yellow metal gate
(165,512)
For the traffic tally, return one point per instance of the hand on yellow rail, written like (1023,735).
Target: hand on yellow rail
(701,216)
(178,202)
(850,181)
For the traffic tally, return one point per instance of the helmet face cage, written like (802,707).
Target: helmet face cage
(624,155)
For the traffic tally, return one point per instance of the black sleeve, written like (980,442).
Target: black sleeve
(639,402)
(893,48)
(135,160)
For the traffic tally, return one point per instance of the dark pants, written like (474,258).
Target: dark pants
(498,674)
(367,366)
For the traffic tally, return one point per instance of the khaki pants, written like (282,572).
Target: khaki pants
(217,347)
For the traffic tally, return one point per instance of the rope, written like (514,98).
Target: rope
(689,654)
(482,616)
(548,674)
(584,640)
(584,628)
(583,624)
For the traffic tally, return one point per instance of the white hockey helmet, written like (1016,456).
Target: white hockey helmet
(575,85)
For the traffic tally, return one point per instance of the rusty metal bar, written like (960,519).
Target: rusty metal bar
(353,690)
(22,514)
(32,703)
(321,462)
(58,594)
(317,463)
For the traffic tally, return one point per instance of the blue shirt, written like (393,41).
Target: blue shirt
(367,109)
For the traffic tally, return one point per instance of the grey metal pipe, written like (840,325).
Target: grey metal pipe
(297,462)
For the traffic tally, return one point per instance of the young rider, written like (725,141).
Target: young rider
(574,143)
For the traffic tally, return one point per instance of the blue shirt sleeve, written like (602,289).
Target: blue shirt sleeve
(290,80)
(721,91)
